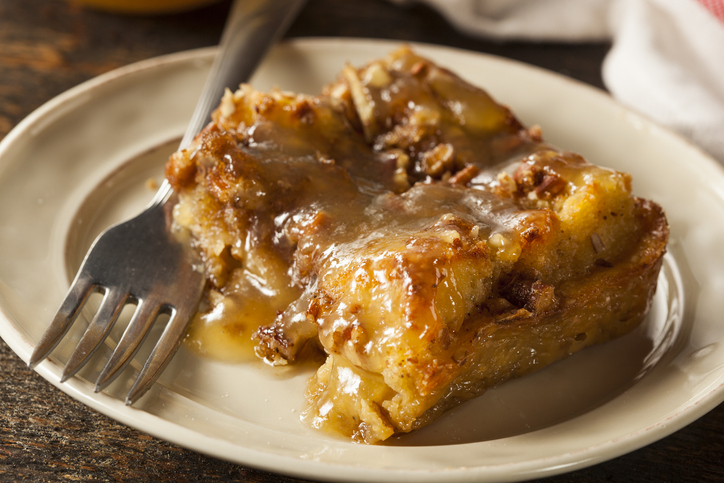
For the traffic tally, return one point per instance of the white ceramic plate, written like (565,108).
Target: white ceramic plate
(82,161)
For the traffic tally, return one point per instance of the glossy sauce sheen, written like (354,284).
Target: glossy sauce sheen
(304,177)
(393,222)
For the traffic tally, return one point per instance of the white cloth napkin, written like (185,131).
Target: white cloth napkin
(667,62)
(667,59)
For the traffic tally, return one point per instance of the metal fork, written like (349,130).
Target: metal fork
(141,261)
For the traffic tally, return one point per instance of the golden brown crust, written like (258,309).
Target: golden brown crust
(417,233)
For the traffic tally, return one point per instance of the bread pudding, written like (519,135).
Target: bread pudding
(410,234)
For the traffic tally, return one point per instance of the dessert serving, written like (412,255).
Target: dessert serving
(408,234)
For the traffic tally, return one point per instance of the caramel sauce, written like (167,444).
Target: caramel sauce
(407,227)
(313,190)
(225,332)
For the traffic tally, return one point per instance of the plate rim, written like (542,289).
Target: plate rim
(136,418)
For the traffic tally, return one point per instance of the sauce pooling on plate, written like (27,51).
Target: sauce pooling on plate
(410,232)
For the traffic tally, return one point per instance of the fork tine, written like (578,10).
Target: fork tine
(95,334)
(76,297)
(134,335)
(162,353)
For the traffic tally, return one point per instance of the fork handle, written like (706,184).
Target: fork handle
(251,28)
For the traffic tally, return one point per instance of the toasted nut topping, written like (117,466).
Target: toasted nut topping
(465,175)
(550,186)
(364,106)
(377,76)
(419,68)
(438,160)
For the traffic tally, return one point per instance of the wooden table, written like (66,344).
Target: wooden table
(48,46)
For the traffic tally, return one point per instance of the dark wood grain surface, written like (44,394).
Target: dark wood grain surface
(49,46)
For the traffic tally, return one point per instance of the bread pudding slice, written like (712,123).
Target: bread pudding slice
(412,231)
